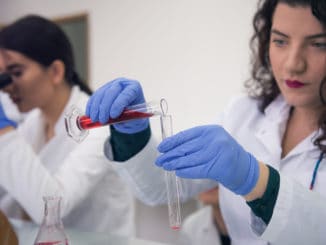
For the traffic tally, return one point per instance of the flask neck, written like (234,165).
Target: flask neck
(52,210)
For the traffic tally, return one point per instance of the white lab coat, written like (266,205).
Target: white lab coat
(94,196)
(299,215)
(199,229)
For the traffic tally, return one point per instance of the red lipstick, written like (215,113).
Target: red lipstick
(294,83)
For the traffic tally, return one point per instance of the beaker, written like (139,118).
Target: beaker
(51,231)
(78,125)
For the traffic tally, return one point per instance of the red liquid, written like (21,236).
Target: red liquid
(53,243)
(175,227)
(86,123)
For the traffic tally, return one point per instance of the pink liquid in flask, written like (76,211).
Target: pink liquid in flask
(175,228)
(84,122)
(53,243)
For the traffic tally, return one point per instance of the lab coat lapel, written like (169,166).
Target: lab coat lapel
(271,129)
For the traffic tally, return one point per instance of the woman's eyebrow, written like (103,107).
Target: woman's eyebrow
(313,36)
(277,32)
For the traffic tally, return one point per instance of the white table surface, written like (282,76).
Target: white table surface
(27,232)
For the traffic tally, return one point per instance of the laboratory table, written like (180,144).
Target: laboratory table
(27,232)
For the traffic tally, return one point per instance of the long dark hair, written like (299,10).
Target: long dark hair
(43,41)
(262,85)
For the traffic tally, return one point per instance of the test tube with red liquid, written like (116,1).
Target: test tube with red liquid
(78,125)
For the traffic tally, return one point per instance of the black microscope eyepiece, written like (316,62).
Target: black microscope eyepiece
(5,79)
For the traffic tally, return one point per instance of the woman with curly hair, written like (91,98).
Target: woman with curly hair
(266,151)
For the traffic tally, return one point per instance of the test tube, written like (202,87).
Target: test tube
(78,125)
(171,180)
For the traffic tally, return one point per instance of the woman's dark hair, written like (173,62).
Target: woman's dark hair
(262,85)
(43,41)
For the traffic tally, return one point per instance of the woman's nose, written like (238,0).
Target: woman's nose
(296,61)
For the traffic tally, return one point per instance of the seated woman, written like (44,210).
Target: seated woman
(37,156)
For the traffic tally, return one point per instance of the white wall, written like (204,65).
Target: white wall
(194,53)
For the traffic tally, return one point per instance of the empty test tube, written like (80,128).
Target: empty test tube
(172,181)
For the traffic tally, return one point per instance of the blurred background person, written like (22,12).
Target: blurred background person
(37,156)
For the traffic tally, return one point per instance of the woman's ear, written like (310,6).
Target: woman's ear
(57,71)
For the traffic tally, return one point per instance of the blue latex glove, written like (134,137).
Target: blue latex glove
(112,98)
(210,152)
(4,120)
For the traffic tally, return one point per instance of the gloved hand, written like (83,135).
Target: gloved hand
(112,98)
(210,152)
(5,119)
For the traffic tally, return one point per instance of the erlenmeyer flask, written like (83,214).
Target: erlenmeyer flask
(51,231)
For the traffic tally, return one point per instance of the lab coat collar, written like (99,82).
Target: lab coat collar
(272,128)
(306,145)
(278,110)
